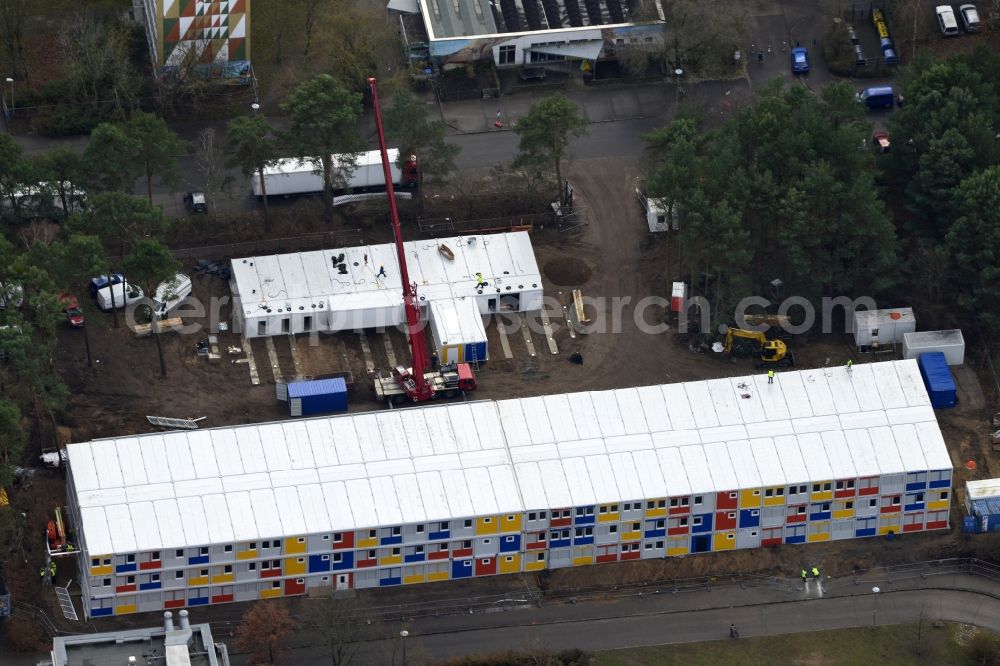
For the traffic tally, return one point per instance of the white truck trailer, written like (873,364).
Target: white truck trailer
(292,176)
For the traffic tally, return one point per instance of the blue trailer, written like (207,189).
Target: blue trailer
(318,396)
(938,379)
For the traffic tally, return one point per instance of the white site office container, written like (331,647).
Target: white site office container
(294,176)
(458,331)
(883,327)
(950,343)
(169,294)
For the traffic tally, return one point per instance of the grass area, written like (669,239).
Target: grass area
(886,646)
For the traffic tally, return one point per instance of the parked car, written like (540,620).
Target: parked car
(946,20)
(877,97)
(102,281)
(880,141)
(532,73)
(800,60)
(71,308)
(195,202)
(970,18)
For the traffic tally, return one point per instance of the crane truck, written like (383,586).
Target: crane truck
(416,383)
(771,353)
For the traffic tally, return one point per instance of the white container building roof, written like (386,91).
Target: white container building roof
(276,286)
(454,461)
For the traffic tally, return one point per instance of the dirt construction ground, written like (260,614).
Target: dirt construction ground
(613,256)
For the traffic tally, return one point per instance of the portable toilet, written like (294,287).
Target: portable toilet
(317,396)
(938,380)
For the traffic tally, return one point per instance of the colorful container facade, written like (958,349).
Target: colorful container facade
(485,488)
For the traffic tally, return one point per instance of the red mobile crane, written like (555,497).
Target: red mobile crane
(414,383)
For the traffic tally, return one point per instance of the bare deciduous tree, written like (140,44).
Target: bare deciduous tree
(12,18)
(96,54)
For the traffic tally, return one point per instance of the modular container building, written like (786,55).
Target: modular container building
(399,497)
(950,343)
(458,331)
(938,379)
(318,396)
(344,289)
(882,327)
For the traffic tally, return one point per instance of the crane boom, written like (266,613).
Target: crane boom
(414,383)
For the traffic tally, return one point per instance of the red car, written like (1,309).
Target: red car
(71,307)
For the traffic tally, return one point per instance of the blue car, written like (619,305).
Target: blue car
(102,281)
(800,60)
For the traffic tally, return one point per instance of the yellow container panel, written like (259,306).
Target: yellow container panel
(434,577)
(724,541)
(510,523)
(366,543)
(223,578)
(631,536)
(125,610)
(510,563)
(411,580)
(825,496)
(293,567)
(246,555)
(270,594)
(487,525)
(197,581)
(750,499)
(774,501)
(814,538)
(292,545)
(677,551)
(534,566)
(655,513)
(390,559)
(937,506)
(843,513)
(609,517)
(582,561)
(101,571)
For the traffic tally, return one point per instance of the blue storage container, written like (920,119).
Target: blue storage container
(938,379)
(986,515)
(318,396)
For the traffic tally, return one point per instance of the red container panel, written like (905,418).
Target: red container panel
(176,603)
(145,566)
(294,587)
(486,566)
(221,598)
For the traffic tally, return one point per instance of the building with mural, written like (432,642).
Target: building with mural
(471,489)
(515,33)
(196,31)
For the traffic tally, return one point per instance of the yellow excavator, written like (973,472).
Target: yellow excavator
(772,353)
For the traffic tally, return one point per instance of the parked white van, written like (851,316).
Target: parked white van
(169,294)
(126,293)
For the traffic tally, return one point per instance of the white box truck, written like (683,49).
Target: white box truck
(125,294)
(292,176)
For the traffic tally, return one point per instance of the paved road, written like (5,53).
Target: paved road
(656,619)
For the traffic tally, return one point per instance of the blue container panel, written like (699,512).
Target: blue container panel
(969,524)
(919,485)
(583,541)
(820,515)
(748,519)
(796,539)
(416,557)
(388,582)
(201,559)
(149,586)
(865,532)
(390,540)
(477,348)
(559,543)
(512,545)
(439,536)
(701,544)
(461,568)
(198,601)
(125,568)
(317,563)
(653,534)
(584,520)
(941,483)
(346,562)
(706,524)
(915,506)
(101,612)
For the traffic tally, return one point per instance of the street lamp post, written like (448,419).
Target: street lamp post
(875,591)
(402,639)
(10,111)
(256,107)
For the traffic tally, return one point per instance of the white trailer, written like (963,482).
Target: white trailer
(169,294)
(882,327)
(292,176)
(660,216)
(950,343)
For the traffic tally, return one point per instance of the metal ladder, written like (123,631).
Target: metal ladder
(66,602)
(475,359)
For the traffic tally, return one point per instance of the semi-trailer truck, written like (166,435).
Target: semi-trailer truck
(292,176)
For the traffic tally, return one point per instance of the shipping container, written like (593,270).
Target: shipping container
(950,343)
(319,396)
(938,379)
(979,490)
(986,513)
(458,332)
(882,327)
(678,295)
(293,176)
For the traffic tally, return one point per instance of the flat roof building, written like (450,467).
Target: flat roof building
(168,520)
(360,287)
(181,644)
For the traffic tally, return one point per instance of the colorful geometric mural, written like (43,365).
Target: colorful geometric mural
(214,30)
